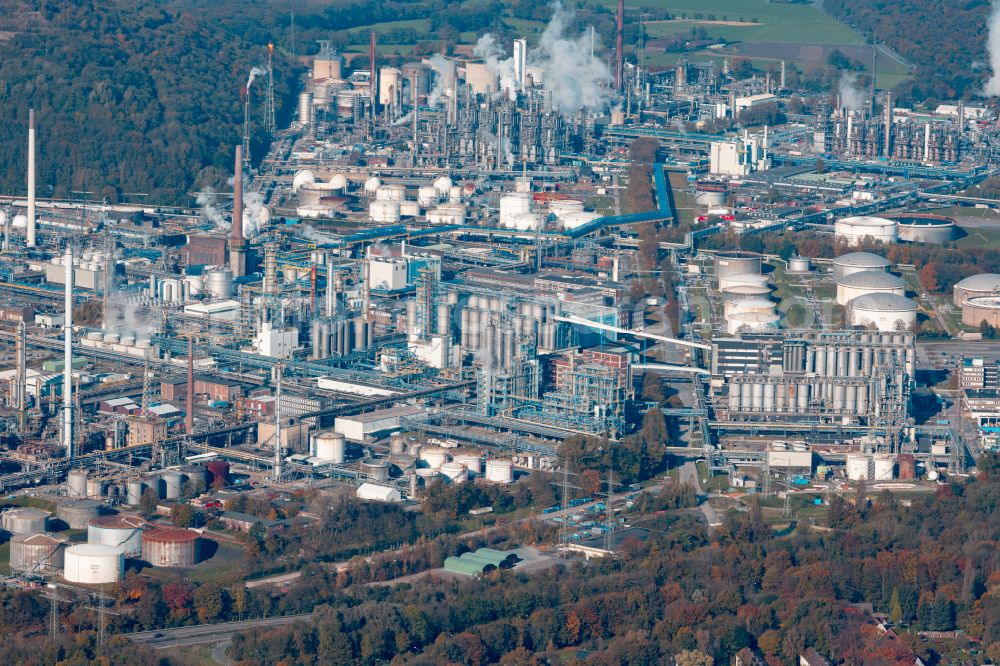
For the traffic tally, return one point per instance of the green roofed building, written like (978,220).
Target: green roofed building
(482,561)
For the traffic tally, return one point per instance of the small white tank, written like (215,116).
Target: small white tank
(499,470)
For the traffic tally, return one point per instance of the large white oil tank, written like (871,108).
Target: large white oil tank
(389,86)
(887,312)
(751,321)
(512,205)
(526,222)
(93,564)
(455,472)
(372,185)
(857,466)
(884,464)
(448,213)
(76,480)
(499,470)
(443,185)
(851,286)
(578,219)
(384,212)
(736,262)
(390,193)
(304,177)
(472,461)
(219,283)
(761,305)
(345,100)
(563,207)
(409,209)
(331,446)
(857,262)
(745,292)
(799,265)
(427,195)
(434,456)
(855,230)
(739,280)
(124,531)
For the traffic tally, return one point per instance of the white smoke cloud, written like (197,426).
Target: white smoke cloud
(444,79)
(574,78)
(256,216)
(207,200)
(851,95)
(992,87)
(310,233)
(254,73)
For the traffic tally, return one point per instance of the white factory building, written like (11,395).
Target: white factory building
(740,156)
(356,428)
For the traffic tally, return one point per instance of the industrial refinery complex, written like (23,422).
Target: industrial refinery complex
(437,274)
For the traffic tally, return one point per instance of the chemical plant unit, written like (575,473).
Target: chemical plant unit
(430,278)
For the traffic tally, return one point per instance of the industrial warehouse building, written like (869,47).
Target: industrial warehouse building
(480,562)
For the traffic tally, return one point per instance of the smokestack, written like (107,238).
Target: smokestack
(31,179)
(371,65)
(68,359)
(277,427)
(887,148)
(189,398)
(236,252)
(19,397)
(620,48)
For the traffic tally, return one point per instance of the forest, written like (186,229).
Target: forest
(686,595)
(947,56)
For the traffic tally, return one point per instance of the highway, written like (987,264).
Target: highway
(203,634)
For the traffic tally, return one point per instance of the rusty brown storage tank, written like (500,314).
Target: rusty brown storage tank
(36,553)
(217,469)
(907,467)
(170,547)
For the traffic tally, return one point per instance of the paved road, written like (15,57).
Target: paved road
(688,473)
(204,634)
(219,653)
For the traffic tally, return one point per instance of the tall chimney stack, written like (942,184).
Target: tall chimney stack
(68,359)
(620,48)
(371,66)
(237,252)
(189,398)
(31,179)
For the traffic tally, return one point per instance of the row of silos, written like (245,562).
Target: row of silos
(339,336)
(488,324)
(847,396)
(854,360)
(877,467)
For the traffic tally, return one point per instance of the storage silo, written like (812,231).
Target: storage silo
(736,263)
(856,467)
(77,513)
(331,446)
(851,286)
(95,488)
(172,483)
(36,553)
(133,494)
(887,312)
(123,531)
(376,468)
(857,262)
(455,472)
(76,483)
(170,547)
(499,470)
(857,229)
(471,459)
(434,456)
(25,521)
(93,564)
(884,464)
(799,265)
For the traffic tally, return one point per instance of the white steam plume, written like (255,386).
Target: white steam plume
(254,73)
(310,233)
(256,215)
(574,78)
(992,87)
(444,79)
(206,199)
(851,96)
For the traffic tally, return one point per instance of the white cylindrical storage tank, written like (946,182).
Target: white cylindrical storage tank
(95,488)
(390,193)
(384,212)
(887,312)
(123,531)
(172,482)
(409,209)
(331,446)
(25,521)
(745,292)
(389,86)
(751,321)
(562,207)
(736,263)
(371,185)
(376,468)
(304,177)
(512,205)
(219,283)
(799,265)
(37,553)
(578,219)
(427,475)
(434,456)
(856,467)
(499,470)
(455,472)
(447,214)
(76,480)
(857,262)
(884,464)
(456,193)
(134,492)
(755,279)
(472,461)
(305,109)
(93,564)
(77,513)
(170,547)
(855,230)
(443,185)
(526,222)
(761,305)
(851,286)
(344,100)
(427,195)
